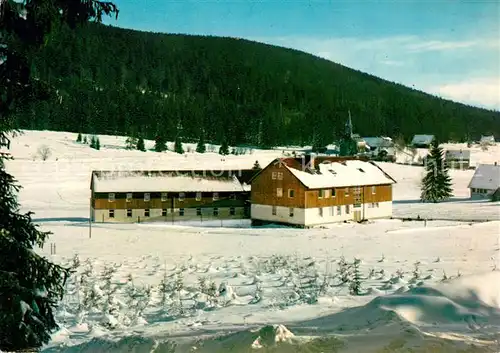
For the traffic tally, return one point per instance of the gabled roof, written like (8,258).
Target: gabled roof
(342,174)
(378,141)
(171,181)
(422,139)
(457,154)
(486,176)
(316,172)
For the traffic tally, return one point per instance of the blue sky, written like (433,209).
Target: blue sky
(446,47)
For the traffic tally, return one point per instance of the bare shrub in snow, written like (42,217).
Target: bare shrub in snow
(44,152)
(417,274)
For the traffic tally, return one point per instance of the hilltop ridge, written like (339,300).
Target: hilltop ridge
(121,81)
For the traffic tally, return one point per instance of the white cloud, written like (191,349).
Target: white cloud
(479,91)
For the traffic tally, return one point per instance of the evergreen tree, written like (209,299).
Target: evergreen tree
(200,146)
(97,144)
(224,148)
(256,166)
(140,144)
(131,143)
(178,146)
(92,141)
(85,141)
(160,144)
(79,137)
(436,184)
(30,285)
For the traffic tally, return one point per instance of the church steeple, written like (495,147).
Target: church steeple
(348,126)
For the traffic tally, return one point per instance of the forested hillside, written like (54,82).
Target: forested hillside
(112,80)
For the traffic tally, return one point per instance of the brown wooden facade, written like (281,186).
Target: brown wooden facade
(172,200)
(264,191)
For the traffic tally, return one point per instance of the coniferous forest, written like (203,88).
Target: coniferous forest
(118,81)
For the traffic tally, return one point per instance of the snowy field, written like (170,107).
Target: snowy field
(428,286)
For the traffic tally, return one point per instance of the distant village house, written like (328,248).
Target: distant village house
(422,141)
(487,140)
(458,159)
(486,181)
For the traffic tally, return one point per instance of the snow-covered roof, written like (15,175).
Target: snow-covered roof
(422,139)
(458,154)
(165,182)
(489,138)
(342,174)
(378,141)
(486,176)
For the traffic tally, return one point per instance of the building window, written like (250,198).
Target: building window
(280,176)
(346,191)
(181,196)
(374,190)
(274,175)
(215,196)
(129,213)
(327,193)
(129,196)
(198,211)
(147,196)
(164,196)
(232,211)
(321,193)
(216,211)
(164,212)
(181,212)
(111,197)
(279,192)
(291,193)
(290,211)
(320,211)
(233,197)
(347,209)
(198,196)
(274,210)
(339,210)
(376,204)
(332,211)
(333,192)
(111,213)
(146,212)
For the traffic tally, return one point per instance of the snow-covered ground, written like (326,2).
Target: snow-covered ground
(422,284)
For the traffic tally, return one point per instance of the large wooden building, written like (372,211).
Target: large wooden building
(310,191)
(169,196)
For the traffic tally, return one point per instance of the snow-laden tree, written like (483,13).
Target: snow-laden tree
(436,184)
(30,285)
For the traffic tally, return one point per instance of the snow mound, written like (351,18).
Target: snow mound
(470,302)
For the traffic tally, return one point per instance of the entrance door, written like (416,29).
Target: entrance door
(357,216)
